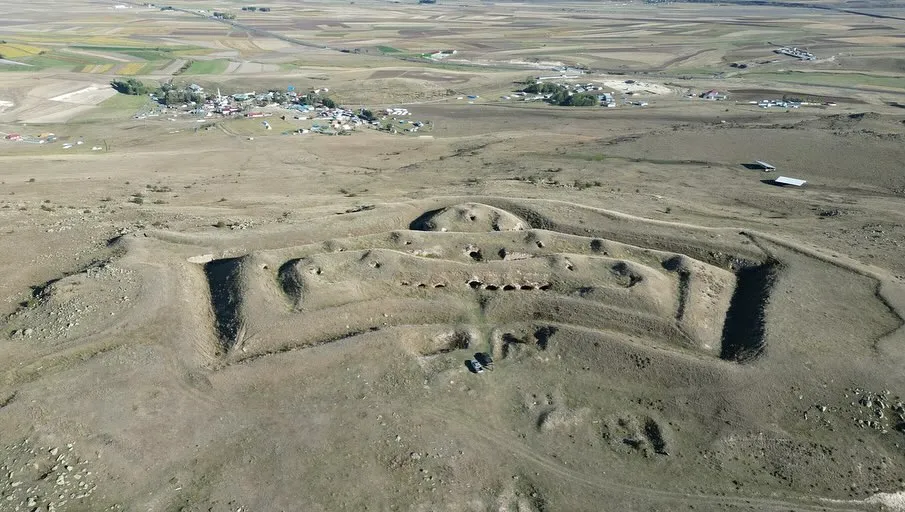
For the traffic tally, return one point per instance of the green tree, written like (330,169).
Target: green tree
(580,100)
(130,86)
(559,95)
(169,94)
(544,88)
(367,115)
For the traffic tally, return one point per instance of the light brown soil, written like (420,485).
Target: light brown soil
(193,320)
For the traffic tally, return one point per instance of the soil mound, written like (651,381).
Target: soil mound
(469,217)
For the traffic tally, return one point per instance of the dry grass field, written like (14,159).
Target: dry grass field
(204,314)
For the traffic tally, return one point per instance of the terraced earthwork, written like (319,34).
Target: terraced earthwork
(481,266)
(579,307)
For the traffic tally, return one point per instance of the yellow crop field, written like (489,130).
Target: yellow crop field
(102,41)
(16,50)
(97,68)
(131,68)
(70,38)
(193,52)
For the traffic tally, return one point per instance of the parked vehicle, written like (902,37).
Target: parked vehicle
(474,366)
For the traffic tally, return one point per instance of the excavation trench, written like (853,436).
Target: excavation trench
(224,281)
(745,325)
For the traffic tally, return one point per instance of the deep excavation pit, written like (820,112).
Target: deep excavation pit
(450,341)
(290,281)
(684,278)
(543,336)
(626,277)
(424,221)
(675,264)
(654,435)
(744,327)
(224,282)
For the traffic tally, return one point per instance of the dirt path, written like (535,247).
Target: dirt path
(472,426)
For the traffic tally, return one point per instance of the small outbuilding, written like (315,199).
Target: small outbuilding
(760,164)
(795,182)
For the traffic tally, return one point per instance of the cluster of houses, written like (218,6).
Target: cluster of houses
(394,123)
(343,121)
(303,106)
(41,138)
(46,138)
(712,95)
(583,88)
(784,103)
(339,120)
(440,54)
(776,103)
(798,53)
(566,73)
(606,98)
(235,104)
(311,106)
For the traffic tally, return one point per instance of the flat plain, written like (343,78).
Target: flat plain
(214,314)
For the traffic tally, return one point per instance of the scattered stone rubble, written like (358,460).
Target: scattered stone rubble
(44,478)
(240,224)
(877,411)
(50,315)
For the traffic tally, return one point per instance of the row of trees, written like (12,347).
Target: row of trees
(170,94)
(316,99)
(131,86)
(559,95)
(543,88)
